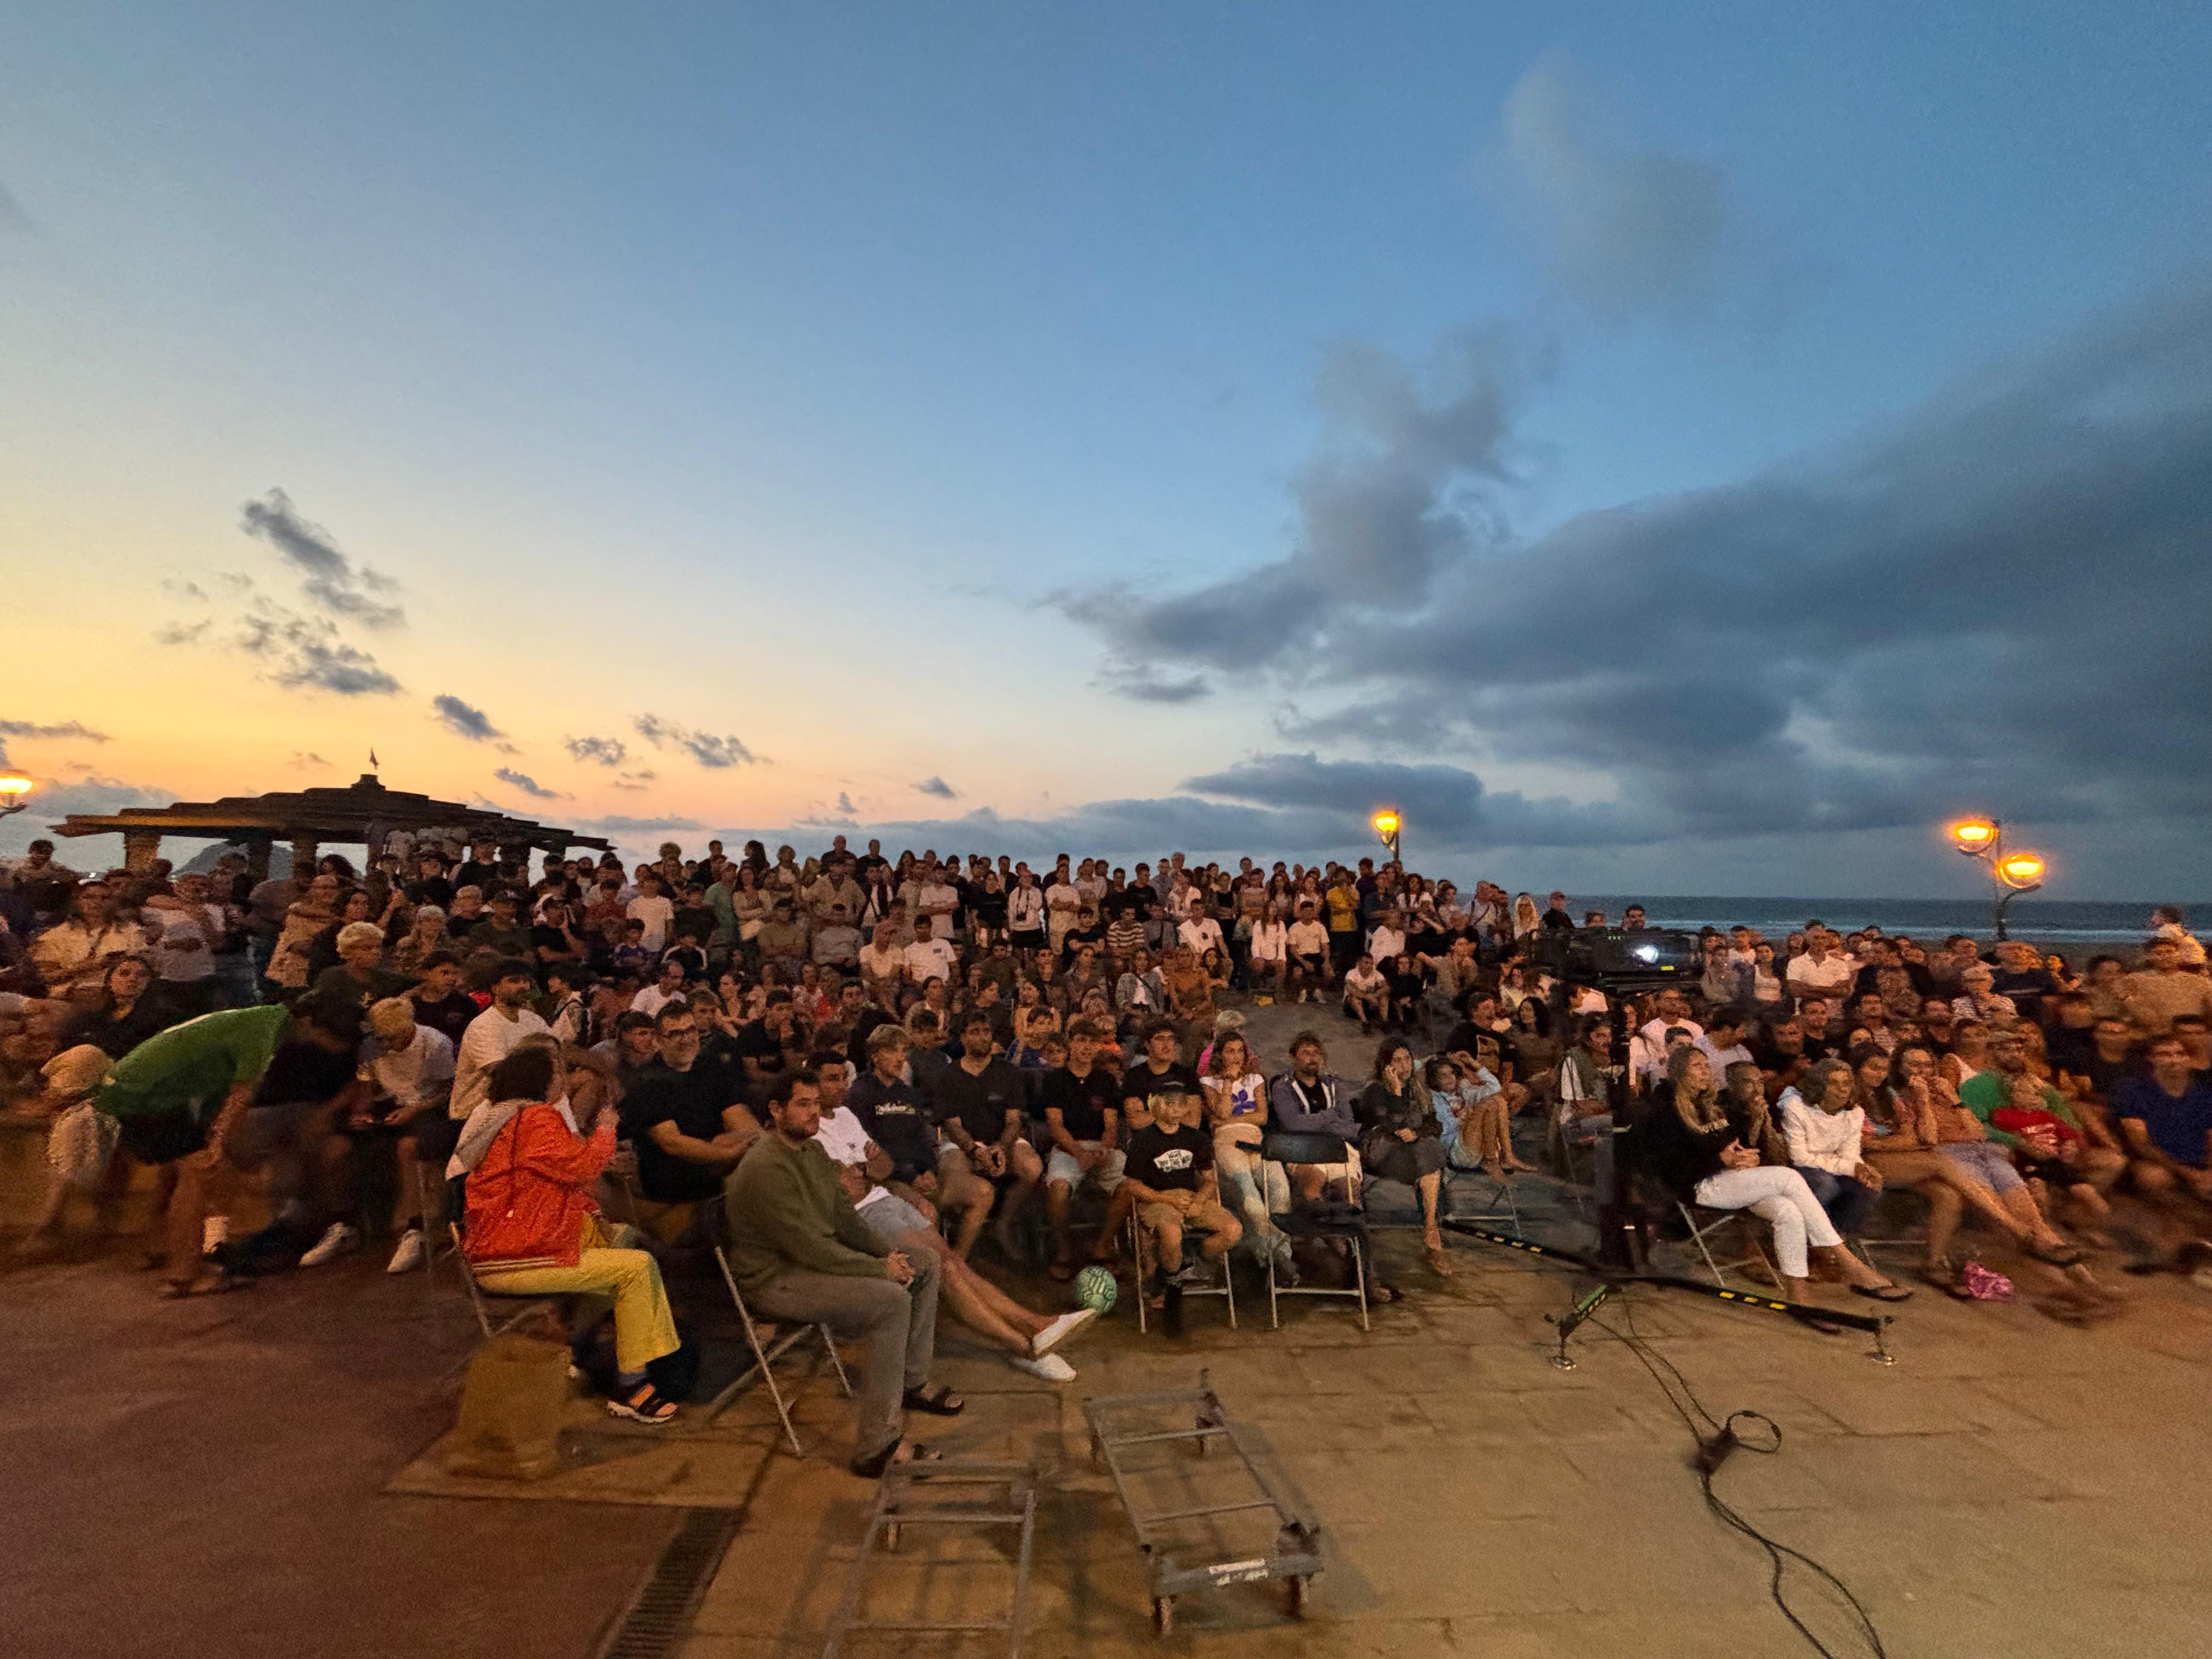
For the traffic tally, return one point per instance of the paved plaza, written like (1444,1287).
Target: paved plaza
(258,1474)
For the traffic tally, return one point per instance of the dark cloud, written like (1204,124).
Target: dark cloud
(1998,602)
(845,803)
(463,720)
(304,652)
(937,786)
(607,751)
(183,633)
(185,590)
(77,729)
(1626,230)
(709,751)
(307,760)
(329,578)
(1401,491)
(528,785)
(634,780)
(1449,803)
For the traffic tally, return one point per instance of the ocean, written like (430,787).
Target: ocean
(2084,924)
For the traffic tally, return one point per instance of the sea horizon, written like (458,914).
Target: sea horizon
(2053,922)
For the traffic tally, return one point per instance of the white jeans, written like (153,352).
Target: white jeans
(1783,1199)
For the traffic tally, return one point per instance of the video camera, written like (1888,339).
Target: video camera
(1620,958)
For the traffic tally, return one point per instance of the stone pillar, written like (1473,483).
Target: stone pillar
(256,858)
(140,848)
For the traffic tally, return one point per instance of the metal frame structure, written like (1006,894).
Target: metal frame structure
(1226,1288)
(1296,1553)
(1612,1282)
(902,1502)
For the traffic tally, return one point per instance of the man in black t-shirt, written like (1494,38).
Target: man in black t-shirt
(1161,1072)
(1081,1103)
(770,1045)
(291,1127)
(980,1103)
(689,1126)
(1170,1178)
(931,1175)
(440,1002)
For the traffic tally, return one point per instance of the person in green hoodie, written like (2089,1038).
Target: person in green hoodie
(800,1253)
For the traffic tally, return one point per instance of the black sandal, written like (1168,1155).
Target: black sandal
(643,1404)
(937,1399)
(1882,1292)
(871,1468)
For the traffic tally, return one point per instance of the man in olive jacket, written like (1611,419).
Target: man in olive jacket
(800,1253)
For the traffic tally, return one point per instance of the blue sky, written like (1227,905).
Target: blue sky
(888,387)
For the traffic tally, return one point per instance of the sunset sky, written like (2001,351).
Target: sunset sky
(1684,449)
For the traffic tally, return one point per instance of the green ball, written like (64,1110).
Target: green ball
(1094,1288)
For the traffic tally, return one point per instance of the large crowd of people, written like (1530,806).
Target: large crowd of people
(856,1072)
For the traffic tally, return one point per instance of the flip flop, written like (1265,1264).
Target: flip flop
(937,1399)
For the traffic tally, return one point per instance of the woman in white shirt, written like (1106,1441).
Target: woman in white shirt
(1270,953)
(1824,1128)
(1236,1106)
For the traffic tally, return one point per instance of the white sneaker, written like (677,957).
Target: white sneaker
(1059,1330)
(1050,1368)
(338,1240)
(409,1255)
(214,1232)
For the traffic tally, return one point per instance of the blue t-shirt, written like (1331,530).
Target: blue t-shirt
(2177,1124)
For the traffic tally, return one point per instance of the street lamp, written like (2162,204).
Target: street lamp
(1387,825)
(2011,874)
(14,786)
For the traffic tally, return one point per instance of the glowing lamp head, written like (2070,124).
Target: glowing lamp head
(2020,869)
(14,786)
(1973,835)
(1386,822)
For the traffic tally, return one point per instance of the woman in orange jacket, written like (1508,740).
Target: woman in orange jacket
(533,1229)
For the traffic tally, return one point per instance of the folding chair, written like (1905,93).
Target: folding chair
(1346,1222)
(1563,1157)
(1226,1288)
(1501,1192)
(1704,1224)
(781,1339)
(525,1302)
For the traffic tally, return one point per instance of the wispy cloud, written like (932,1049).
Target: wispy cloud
(329,578)
(606,751)
(616,824)
(305,654)
(77,729)
(1627,229)
(528,785)
(183,633)
(307,760)
(709,751)
(932,786)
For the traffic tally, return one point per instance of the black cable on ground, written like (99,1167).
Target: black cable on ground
(1716,1439)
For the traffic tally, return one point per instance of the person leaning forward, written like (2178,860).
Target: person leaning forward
(800,1253)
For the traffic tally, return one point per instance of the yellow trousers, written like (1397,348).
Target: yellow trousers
(610,1270)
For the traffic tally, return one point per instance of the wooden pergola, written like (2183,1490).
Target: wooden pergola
(362,814)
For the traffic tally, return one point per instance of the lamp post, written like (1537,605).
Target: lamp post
(2011,874)
(1388,824)
(14,787)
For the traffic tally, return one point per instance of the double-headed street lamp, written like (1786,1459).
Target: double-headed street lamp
(2011,874)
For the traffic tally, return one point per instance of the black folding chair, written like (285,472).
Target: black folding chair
(1326,1219)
